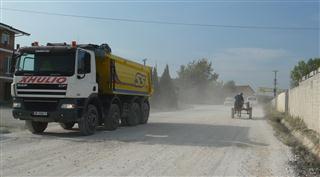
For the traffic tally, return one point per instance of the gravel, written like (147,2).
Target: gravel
(200,141)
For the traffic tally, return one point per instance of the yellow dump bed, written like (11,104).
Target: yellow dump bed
(117,75)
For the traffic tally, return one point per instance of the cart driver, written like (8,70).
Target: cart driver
(239,101)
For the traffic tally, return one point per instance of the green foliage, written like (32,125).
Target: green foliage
(168,95)
(198,83)
(313,64)
(198,73)
(302,69)
(156,87)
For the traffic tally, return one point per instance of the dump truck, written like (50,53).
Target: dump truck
(82,84)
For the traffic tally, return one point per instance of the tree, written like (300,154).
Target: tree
(302,69)
(168,94)
(198,82)
(156,88)
(313,64)
(199,73)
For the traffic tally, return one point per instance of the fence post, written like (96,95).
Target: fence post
(287,102)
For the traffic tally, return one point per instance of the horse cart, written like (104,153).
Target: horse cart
(238,109)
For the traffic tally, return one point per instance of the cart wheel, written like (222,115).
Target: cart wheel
(232,112)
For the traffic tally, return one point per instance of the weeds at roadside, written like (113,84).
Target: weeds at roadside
(304,162)
(298,124)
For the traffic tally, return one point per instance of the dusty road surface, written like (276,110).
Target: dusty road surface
(203,140)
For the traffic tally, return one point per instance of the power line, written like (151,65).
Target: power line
(160,1)
(164,22)
(210,2)
(242,71)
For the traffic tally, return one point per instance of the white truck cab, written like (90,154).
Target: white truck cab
(52,83)
(60,83)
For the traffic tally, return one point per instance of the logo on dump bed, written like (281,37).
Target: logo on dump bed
(43,80)
(140,80)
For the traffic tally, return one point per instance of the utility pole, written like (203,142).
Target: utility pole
(144,61)
(275,84)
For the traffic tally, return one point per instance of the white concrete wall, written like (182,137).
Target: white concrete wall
(304,102)
(281,102)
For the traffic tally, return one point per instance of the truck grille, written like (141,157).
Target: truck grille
(41,105)
(41,93)
(43,86)
(41,89)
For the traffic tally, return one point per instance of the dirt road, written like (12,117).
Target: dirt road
(203,140)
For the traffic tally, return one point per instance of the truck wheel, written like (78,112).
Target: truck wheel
(232,112)
(250,114)
(145,110)
(124,121)
(112,121)
(134,116)
(67,126)
(36,127)
(89,120)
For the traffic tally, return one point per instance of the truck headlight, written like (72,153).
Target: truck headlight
(68,106)
(16,105)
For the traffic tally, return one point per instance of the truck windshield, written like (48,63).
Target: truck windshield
(46,64)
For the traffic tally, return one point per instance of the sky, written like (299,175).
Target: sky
(247,56)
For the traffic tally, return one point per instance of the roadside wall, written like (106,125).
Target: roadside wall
(303,101)
(281,102)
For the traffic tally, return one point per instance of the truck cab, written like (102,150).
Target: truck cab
(59,83)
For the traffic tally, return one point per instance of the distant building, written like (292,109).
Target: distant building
(245,89)
(7,39)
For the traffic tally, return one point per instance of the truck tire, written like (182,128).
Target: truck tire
(124,121)
(89,120)
(67,126)
(36,127)
(135,115)
(232,112)
(112,121)
(145,110)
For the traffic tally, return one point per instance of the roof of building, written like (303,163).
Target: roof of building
(10,28)
(246,89)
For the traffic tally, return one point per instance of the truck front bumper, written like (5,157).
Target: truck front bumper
(47,110)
